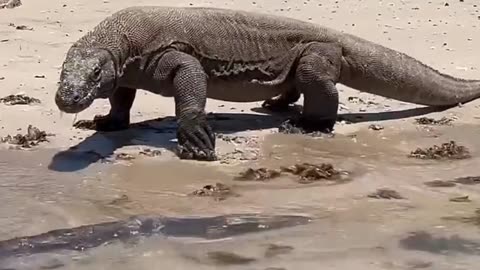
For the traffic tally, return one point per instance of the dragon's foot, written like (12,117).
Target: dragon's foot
(196,139)
(303,125)
(104,123)
(276,104)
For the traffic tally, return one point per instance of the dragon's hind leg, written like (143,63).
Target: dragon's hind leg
(316,75)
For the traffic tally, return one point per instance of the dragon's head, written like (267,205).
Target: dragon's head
(87,74)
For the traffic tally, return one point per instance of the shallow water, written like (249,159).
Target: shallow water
(348,231)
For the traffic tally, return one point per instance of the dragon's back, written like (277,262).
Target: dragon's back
(222,34)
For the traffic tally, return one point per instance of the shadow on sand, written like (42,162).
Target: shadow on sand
(155,133)
(161,133)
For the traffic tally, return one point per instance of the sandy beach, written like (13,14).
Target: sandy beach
(35,37)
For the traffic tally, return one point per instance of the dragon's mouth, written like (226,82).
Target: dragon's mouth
(86,101)
(66,105)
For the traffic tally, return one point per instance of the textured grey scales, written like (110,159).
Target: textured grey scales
(194,53)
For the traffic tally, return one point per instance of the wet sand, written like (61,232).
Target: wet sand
(50,187)
(349,229)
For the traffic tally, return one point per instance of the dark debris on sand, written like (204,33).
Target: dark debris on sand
(150,153)
(261,174)
(309,173)
(450,150)
(218,191)
(461,199)
(471,219)
(440,183)
(21,27)
(10,3)
(385,193)
(274,250)
(444,121)
(467,180)
(19,99)
(228,258)
(124,156)
(376,127)
(123,199)
(306,172)
(33,137)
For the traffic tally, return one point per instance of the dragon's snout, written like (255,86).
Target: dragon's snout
(71,101)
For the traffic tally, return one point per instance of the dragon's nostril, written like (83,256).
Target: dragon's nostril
(76,98)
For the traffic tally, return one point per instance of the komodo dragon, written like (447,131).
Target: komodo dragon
(194,53)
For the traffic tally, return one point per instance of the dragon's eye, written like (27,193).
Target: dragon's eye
(96,73)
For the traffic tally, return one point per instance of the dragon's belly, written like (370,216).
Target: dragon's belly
(243,91)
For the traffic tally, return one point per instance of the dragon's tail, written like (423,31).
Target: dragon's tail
(373,68)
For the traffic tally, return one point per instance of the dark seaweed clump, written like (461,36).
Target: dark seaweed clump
(385,193)
(33,137)
(19,99)
(449,150)
(306,172)
(218,191)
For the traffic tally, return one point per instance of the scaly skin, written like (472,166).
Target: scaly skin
(194,53)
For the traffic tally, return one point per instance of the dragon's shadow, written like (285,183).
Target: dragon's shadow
(162,133)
